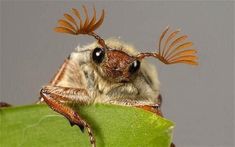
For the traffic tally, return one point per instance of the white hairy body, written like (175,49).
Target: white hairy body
(82,73)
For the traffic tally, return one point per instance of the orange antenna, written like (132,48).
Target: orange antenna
(69,24)
(173,51)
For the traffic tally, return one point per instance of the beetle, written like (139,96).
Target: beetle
(110,71)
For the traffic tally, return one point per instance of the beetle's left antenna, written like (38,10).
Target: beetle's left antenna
(174,50)
(70,26)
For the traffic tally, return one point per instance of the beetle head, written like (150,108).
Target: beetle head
(115,65)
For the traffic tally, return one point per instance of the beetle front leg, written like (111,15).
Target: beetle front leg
(153,108)
(56,96)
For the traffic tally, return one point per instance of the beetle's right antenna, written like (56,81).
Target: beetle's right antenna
(70,26)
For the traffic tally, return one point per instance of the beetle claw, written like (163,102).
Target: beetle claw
(79,125)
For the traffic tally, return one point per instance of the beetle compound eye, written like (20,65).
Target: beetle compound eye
(98,55)
(134,67)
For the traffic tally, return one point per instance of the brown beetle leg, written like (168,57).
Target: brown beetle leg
(159,99)
(151,109)
(4,104)
(56,96)
(172,145)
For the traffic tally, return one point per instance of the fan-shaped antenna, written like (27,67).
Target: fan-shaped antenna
(173,50)
(69,24)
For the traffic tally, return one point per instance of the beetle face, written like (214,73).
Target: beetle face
(115,65)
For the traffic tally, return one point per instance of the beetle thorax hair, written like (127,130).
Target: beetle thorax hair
(143,88)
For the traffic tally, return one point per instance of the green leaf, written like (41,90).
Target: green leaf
(38,125)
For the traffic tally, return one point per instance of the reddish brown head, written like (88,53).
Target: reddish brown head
(115,65)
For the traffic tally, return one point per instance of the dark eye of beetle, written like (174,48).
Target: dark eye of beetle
(134,67)
(98,55)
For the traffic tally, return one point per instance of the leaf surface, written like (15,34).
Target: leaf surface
(114,126)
